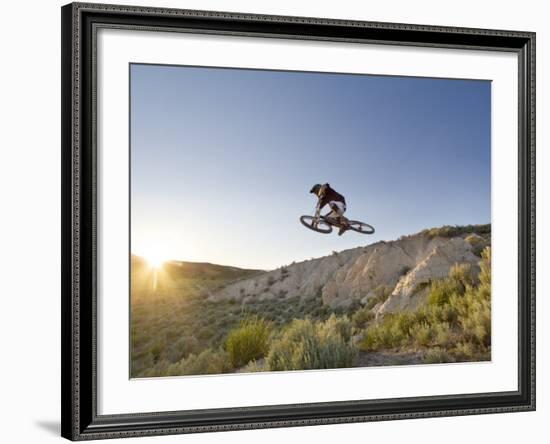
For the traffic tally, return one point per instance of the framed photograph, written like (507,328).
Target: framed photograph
(280,221)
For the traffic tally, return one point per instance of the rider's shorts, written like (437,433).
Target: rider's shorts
(338,208)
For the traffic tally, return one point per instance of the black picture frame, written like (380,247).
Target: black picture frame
(80,420)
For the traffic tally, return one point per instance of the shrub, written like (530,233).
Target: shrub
(157,347)
(452,231)
(462,273)
(464,351)
(181,348)
(376,338)
(404,321)
(476,319)
(336,325)
(421,334)
(207,362)
(478,243)
(305,345)
(206,333)
(459,279)
(255,366)
(441,291)
(437,355)
(249,341)
(361,317)
(391,332)
(485,266)
(442,333)
(381,294)
(457,318)
(296,340)
(334,352)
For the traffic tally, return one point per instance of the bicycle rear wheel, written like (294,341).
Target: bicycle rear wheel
(360,227)
(319,225)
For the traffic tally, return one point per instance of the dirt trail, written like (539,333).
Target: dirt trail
(375,359)
(370,359)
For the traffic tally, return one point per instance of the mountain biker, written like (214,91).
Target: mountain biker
(336,202)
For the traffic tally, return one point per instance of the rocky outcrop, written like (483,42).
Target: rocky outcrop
(403,269)
(412,288)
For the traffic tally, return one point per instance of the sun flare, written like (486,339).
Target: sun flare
(155,259)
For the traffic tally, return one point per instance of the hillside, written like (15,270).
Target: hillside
(423,298)
(175,275)
(394,276)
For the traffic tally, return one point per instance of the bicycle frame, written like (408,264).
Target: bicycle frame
(328,220)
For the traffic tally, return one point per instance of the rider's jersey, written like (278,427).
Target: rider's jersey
(327,194)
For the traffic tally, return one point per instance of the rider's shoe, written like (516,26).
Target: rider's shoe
(342,230)
(343,226)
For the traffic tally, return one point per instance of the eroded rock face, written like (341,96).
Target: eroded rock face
(403,268)
(412,288)
(303,279)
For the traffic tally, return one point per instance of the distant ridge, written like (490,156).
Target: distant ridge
(175,272)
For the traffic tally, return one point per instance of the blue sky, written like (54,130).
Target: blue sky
(222,159)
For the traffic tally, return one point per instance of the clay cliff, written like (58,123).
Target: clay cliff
(396,273)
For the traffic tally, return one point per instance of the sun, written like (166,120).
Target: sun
(155,259)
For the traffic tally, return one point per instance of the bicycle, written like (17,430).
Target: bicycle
(322,224)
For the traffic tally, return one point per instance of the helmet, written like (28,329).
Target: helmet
(315,188)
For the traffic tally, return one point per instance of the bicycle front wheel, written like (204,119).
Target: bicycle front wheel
(319,225)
